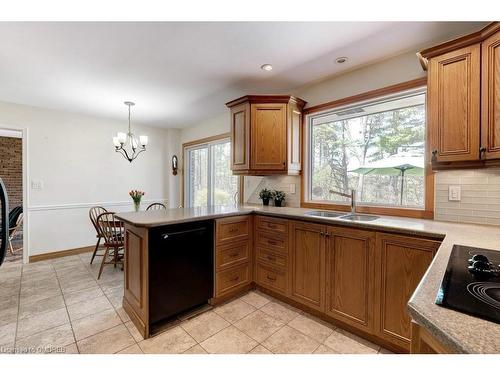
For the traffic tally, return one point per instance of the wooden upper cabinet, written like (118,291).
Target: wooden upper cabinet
(350,276)
(401,264)
(307,264)
(266,134)
(268,129)
(463,85)
(454,104)
(490,120)
(240,137)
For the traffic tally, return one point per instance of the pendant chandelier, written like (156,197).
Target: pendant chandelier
(130,141)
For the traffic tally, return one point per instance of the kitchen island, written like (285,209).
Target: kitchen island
(454,331)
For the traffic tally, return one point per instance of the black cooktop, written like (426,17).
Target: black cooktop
(471,283)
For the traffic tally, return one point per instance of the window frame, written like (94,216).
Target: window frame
(198,144)
(424,213)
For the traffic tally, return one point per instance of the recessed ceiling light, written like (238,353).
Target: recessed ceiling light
(267,67)
(340,60)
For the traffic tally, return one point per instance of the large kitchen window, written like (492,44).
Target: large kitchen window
(375,147)
(208,179)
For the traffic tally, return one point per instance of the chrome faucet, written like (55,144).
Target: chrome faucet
(352,196)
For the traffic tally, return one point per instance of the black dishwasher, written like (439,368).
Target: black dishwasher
(181,269)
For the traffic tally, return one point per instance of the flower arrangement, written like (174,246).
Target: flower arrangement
(265,195)
(136,197)
(279,197)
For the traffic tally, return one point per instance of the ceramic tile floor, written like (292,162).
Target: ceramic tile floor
(59,306)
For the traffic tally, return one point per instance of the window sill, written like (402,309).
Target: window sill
(376,210)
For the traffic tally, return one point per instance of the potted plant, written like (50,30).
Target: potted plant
(265,195)
(136,197)
(279,197)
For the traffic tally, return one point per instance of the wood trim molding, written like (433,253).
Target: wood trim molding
(388,90)
(202,141)
(426,213)
(457,43)
(70,206)
(60,254)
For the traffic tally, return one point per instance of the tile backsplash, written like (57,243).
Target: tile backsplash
(253,185)
(480,196)
(479,203)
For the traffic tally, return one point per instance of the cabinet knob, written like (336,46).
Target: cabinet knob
(482,150)
(434,155)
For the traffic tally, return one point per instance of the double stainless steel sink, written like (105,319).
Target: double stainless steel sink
(342,215)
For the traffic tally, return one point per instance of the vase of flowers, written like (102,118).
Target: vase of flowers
(136,197)
(265,195)
(279,197)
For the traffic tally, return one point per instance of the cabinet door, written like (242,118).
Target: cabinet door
(401,263)
(454,105)
(240,137)
(307,264)
(490,122)
(350,276)
(294,138)
(268,137)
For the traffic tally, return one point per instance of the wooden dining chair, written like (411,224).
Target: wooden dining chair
(94,212)
(112,231)
(156,206)
(13,232)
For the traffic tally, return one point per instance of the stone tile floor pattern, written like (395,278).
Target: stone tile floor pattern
(59,306)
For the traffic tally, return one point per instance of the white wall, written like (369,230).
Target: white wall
(74,157)
(213,126)
(384,73)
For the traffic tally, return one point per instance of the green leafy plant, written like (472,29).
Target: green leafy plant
(278,196)
(265,195)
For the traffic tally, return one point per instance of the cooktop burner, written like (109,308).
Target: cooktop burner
(471,283)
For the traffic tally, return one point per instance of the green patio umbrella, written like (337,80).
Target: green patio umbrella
(394,165)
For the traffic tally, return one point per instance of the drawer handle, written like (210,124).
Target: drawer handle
(271,278)
(235,278)
(234,255)
(271,242)
(233,230)
(271,258)
(272,226)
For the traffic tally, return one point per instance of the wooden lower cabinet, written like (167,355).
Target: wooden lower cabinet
(307,264)
(233,255)
(422,342)
(270,277)
(271,254)
(359,278)
(350,276)
(401,264)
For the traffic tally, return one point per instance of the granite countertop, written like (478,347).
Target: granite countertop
(460,332)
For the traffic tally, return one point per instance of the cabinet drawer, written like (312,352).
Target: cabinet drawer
(232,278)
(272,224)
(269,257)
(233,254)
(275,242)
(232,229)
(271,277)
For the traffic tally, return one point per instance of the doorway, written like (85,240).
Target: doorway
(11,173)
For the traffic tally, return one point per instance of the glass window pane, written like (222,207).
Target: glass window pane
(225,185)
(377,150)
(198,177)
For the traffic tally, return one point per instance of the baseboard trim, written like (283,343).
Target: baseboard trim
(60,254)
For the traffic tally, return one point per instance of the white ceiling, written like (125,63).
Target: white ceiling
(181,73)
